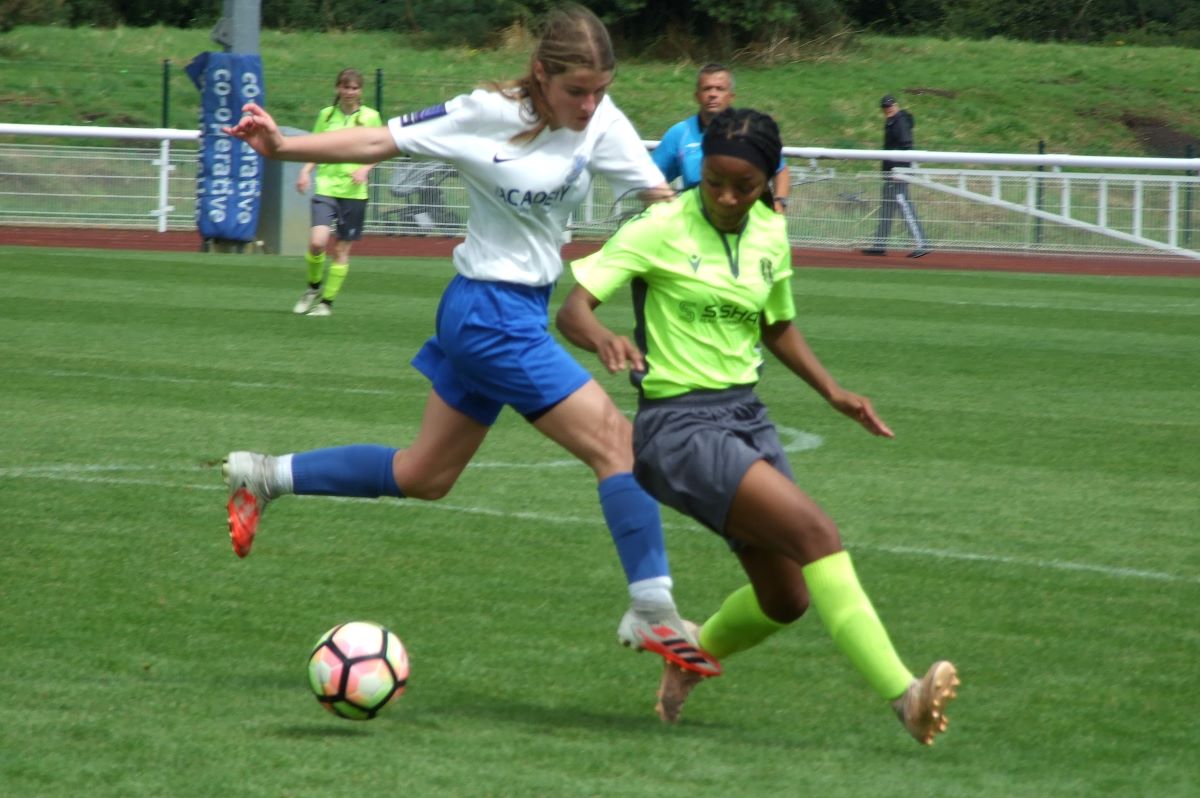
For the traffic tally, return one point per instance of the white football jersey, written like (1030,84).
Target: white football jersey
(522,194)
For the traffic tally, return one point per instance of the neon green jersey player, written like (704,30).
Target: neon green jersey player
(700,294)
(339,203)
(711,281)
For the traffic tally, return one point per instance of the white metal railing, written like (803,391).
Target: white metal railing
(999,158)
(1152,206)
(1132,207)
(1038,210)
(163,164)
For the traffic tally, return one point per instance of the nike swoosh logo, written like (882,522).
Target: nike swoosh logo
(497,159)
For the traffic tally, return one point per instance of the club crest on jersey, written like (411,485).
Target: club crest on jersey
(694,260)
(768,273)
(578,164)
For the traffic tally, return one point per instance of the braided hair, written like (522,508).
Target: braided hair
(749,135)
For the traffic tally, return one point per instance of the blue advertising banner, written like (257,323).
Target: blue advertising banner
(229,175)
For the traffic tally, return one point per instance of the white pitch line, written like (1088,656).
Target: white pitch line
(1056,565)
(1165,309)
(1186,307)
(547,464)
(70,470)
(793,440)
(797,440)
(268,386)
(82,474)
(85,468)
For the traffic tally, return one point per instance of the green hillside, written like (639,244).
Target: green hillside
(989,96)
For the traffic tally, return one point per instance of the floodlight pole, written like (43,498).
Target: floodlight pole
(238,28)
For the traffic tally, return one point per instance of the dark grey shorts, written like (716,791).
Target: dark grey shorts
(345,216)
(692,451)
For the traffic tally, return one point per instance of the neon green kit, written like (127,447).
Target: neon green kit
(333,179)
(699,294)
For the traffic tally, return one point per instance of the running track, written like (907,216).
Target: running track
(436,247)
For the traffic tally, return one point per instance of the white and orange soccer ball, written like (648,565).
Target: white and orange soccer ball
(358,668)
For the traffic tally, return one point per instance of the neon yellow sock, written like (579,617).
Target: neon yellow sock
(316,267)
(851,620)
(738,625)
(333,283)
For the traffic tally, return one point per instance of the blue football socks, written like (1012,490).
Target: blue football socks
(636,525)
(362,470)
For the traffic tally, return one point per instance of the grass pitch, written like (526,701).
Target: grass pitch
(1034,521)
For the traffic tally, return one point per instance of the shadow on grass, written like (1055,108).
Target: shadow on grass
(317,731)
(484,708)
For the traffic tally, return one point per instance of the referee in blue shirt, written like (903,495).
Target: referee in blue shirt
(679,155)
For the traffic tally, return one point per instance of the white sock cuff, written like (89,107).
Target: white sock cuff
(283,475)
(656,589)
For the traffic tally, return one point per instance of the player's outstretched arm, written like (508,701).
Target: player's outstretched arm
(578,323)
(784,341)
(348,145)
(860,409)
(660,193)
(258,129)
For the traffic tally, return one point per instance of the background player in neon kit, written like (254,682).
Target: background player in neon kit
(526,152)
(340,200)
(679,155)
(703,442)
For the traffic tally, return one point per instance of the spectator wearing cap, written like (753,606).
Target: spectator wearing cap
(897,135)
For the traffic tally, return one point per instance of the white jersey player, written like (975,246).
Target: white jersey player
(527,152)
(522,193)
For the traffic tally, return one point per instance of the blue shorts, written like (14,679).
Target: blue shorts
(493,348)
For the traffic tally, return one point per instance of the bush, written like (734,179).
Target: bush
(756,30)
(760,30)
(474,23)
(31,12)
(1160,21)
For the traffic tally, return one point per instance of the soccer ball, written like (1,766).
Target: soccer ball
(358,668)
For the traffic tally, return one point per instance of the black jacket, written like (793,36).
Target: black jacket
(898,135)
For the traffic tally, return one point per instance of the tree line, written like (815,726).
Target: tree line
(668,28)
